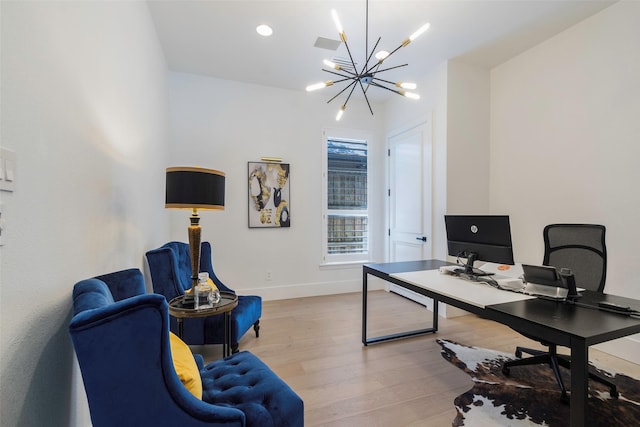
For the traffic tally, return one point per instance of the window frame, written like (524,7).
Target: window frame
(347,136)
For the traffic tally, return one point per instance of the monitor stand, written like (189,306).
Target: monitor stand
(469,269)
(469,272)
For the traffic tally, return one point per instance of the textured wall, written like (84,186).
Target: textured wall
(84,106)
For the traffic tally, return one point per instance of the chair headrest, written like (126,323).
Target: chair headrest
(90,294)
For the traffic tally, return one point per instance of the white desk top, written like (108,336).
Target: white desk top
(473,293)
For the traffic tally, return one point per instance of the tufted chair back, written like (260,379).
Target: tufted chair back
(170,268)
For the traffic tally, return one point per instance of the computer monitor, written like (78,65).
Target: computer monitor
(479,238)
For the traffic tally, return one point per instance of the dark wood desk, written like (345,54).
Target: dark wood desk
(572,326)
(569,325)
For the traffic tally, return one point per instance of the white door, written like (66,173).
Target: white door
(410,194)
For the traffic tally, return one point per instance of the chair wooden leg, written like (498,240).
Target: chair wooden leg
(256,327)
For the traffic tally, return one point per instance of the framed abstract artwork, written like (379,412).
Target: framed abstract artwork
(269,195)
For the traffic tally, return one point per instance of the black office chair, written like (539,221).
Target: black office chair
(580,247)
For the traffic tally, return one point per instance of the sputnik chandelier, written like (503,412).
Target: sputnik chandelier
(367,76)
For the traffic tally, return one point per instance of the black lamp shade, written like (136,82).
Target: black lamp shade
(193,187)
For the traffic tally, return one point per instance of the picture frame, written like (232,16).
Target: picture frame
(269,191)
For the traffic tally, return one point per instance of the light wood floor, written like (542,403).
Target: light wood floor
(314,345)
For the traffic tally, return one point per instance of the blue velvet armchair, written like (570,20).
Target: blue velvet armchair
(121,338)
(170,269)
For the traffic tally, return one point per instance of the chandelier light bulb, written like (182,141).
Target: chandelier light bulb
(339,27)
(382,55)
(320,85)
(410,94)
(420,30)
(407,85)
(332,64)
(340,112)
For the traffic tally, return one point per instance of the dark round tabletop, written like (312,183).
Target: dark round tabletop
(181,308)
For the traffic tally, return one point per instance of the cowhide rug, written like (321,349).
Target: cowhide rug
(530,395)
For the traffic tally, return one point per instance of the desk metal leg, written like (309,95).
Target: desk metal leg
(181,327)
(364,307)
(579,382)
(436,304)
(367,341)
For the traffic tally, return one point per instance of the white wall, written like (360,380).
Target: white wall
(432,105)
(224,124)
(456,98)
(84,106)
(565,140)
(468,150)
(550,136)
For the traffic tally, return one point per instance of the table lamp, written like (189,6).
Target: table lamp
(194,188)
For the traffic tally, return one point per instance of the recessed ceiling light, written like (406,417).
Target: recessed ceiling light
(264,30)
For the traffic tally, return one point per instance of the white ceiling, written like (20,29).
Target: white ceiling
(218,38)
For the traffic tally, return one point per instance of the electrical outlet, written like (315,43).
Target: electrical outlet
(7,169)
(267,275)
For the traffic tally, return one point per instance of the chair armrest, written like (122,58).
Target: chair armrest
(199,361)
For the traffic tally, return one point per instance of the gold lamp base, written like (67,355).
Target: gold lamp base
(194,249)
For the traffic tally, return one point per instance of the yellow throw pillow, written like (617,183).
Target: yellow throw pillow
(185,366)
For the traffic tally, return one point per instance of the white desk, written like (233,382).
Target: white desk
(473,293)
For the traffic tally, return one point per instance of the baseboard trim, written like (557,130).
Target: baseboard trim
(627,348)
(302,290)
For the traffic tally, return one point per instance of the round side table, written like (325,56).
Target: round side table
(182,308)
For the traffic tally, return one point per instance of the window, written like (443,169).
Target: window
(346,202)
